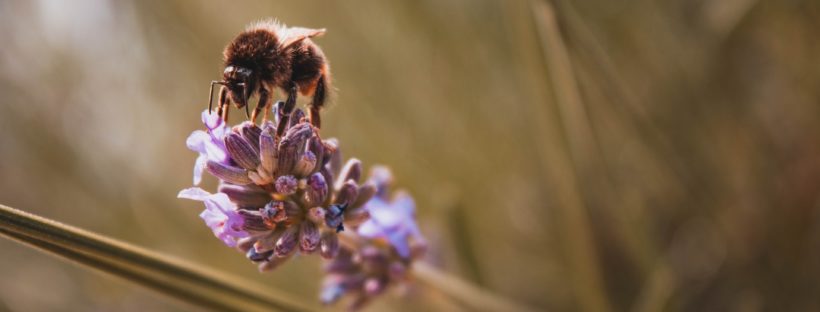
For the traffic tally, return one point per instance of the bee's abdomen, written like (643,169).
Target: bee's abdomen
(308,64)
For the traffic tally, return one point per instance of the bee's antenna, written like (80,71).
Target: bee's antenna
(211,94)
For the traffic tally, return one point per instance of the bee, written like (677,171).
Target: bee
(269,55)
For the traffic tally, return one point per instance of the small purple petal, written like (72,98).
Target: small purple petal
(223,219)
(196,141)
(209,144)
(193,193)
(212,120)
(199,166)
(393,221)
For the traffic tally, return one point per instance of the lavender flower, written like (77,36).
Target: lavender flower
(283,195)
(220,214)
(290,191)
(381,251)
(391,220)
(209,144)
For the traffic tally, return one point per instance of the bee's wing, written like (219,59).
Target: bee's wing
(293,35)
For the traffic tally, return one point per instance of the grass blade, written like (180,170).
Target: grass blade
(183,280)
(581,147)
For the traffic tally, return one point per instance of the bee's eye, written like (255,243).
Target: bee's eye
(237,73)
(229,70)
(243,72)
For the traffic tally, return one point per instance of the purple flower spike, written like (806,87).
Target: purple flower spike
(209,144)
(220,214)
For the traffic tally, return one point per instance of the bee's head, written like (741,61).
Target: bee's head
(239,81)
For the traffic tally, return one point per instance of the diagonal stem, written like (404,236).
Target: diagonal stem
(178,278)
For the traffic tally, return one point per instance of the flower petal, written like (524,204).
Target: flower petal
(212,120)
(197,140)
(199,166)
(223,219)
(193,193)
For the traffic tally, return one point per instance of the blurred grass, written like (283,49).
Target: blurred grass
(698,171)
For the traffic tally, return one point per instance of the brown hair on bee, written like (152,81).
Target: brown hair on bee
(269,55)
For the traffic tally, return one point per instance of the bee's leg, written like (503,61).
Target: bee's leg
(285,111)
(222,109)
(262,105)
(317,102)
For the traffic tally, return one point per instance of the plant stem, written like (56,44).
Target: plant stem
(181,279)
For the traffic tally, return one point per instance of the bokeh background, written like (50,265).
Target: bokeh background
(571,155)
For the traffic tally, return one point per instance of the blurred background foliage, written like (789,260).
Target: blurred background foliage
(584,155)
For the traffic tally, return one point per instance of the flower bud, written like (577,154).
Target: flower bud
(268,242)
(333,155)
(287,242)
(305,165)
(356,217)
(253,221)
(292,146)
(228,173)
(316,215)
(258,257)
(315,146)
(366,192)
(325,172)
(315,191)
(329,245)
(267,148)
(371,254)
(382,178)
(270,212)
(397,271)
(245,243)
(259,177)
(286,185)
(373,260)
(241,151)
(347,193)
(246,196)
(352,281)
(251,133)
(288,154)
(331,293)
(351,171)
(309,237)
(340,264)
(374,286)
(293,212)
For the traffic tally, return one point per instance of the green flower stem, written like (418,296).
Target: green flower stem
(183,280)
